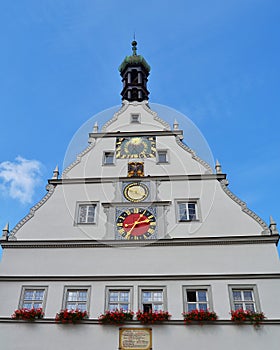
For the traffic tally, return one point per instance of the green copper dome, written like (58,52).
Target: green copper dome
(134,59)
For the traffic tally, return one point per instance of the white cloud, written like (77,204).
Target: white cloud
(20,178)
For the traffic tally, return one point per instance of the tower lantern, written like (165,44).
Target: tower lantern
(134,71)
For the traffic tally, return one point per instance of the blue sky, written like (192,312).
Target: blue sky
(215,61)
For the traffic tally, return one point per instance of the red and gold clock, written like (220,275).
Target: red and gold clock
(136,224)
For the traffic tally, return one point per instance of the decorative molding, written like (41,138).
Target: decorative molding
(172,322)
(166,209)
(50,188)
(157,118)
(145,106)
(138,133)
(123,108)
(230,240)
(77,161)
(159,178)
(253,215)
(138,278)
(194,156)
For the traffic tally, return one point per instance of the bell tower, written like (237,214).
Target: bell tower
(134,71)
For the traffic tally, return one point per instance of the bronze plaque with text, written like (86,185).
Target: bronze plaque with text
(135,339)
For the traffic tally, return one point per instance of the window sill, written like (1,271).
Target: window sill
(182,221)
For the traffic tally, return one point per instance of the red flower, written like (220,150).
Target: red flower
(199,315)
(28,314)
(240,316)
(115,317)
(70,316)
(152,316)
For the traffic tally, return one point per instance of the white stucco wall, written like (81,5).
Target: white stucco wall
(91,336)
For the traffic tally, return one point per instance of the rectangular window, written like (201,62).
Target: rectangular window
(119,299)
(152,300)
(135,118)
(243,299)
(187,211)
(33,297)
(109,158)
(86,213)
(162,156)
(197,299)
(76,299)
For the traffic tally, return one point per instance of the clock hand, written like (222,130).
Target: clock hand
(135,223)
(129,232)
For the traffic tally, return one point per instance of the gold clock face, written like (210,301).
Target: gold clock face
(136,147)
(136,192)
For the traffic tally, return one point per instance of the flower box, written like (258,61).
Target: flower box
(28,314)
(240,316)
(199,316)
(70,316)
(152,317)
(117,317)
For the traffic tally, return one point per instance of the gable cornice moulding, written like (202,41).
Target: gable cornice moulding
(230,240)
(50,188)
(194,177)
(152,277)
(194,156)
(243,205)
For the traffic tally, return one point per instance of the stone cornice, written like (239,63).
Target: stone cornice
(175,133)
(162,277)
(193,241)
(194,177)
(172,322)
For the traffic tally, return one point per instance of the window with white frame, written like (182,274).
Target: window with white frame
(135,118)
(162,156)
(152,300)
(119,299)
(86,213)
(187,211)
(109,158)
(196,298)
(76,299)
(243,298)
(33,297)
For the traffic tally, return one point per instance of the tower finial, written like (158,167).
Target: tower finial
(218,167)
(272,226)
(5,232)
(134,46)
(55,173)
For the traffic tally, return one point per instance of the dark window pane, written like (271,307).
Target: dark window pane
(147,307)
(191,296)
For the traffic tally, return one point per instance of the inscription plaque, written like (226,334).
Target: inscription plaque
(135,339)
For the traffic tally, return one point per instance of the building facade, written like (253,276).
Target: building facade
(139,222)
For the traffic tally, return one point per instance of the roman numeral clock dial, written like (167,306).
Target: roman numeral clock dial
(136,224)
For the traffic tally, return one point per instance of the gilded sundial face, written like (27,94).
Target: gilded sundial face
(136,147)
